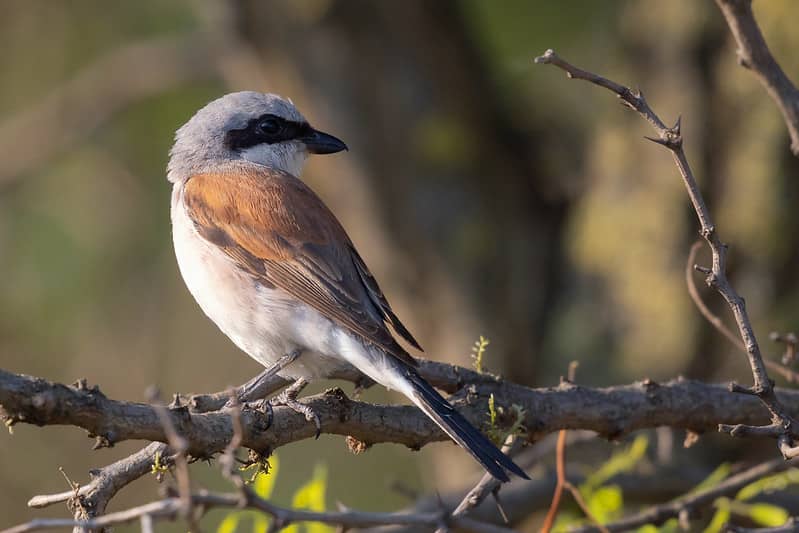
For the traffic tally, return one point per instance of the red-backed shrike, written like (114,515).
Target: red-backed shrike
(274,269)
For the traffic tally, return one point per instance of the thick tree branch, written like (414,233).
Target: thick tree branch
(753,53)
(611,412)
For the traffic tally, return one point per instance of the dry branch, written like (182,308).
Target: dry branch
(753,54)
(610,412)
(782,423)
(170,508)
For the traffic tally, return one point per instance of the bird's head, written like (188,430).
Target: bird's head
(261,128)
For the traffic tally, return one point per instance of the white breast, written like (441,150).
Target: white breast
(265,323)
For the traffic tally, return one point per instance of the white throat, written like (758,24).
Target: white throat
(288,157)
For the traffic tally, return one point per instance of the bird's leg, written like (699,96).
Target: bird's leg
(289,398)
(250,390)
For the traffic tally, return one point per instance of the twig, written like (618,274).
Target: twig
(671,138)
(93,497)
(563,483)
(560,466)
(179,446)
(488,484)
(658,514)
(575,492)
(171,508)
(753,54)
(716,322)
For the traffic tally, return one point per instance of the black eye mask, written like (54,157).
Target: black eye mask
(266,129)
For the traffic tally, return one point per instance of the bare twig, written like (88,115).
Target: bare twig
(170,508)
(560,465)
(791,343)
(782,423)
(90,500)
(179,446)
(718,323)
(660,513)
(753,54)
(715,320)
(575,492)
(563,483)
(488,485)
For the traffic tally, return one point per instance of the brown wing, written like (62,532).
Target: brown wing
(274,227)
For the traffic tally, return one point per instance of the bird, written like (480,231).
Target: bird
(270,264)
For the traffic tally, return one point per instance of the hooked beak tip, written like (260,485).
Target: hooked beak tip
(318,142)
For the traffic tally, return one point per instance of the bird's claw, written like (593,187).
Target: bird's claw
(289,398)
(263,405)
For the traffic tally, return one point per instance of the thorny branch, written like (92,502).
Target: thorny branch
(753,54)
(170,508)
(190,506)
(716,321)
(488,485)
(782,423)
(611,412)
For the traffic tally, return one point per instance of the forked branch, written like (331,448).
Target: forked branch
(782,423)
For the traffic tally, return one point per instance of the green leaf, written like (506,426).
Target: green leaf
(264,486)
(720,517)
(769,483)
(619,462)
(717,476)
(672,525)
(260,523)
(605,503)
(229,523)
(768,515)
(311,496)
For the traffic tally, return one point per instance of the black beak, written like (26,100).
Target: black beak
(319,142)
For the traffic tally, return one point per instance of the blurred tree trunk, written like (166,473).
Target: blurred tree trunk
(422,117)
(446,196)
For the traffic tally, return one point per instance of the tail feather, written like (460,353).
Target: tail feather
(461,431)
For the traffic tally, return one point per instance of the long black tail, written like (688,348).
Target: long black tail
(461,431)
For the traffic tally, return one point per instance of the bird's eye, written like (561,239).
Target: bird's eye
(270,126)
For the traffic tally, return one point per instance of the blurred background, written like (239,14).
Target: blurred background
(489,196)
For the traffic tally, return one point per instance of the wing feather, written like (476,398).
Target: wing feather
(275,227)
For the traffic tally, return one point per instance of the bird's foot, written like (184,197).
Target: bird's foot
(259,386)
(263,405)
(289,398)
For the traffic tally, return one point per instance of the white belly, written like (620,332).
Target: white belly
(265,323)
